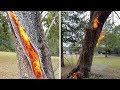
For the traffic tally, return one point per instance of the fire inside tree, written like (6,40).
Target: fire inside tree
(97,20)
(95,23)
(28,47)
(102,35)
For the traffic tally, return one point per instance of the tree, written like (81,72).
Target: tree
(116,31)
(62,56)
(74,24)
(5,36)
(33,31)
(97,20)
(108,43)
(51,22)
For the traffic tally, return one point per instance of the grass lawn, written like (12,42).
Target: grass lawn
(9,66)
(102,68)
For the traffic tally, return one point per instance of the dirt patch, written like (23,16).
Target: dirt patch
(97,72)
(65,70)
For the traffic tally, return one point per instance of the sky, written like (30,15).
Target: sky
(115,17)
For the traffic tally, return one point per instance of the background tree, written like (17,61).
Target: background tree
(116,31)
(50,21)
(5,36)
(111,39)
(107,44)
(74,24)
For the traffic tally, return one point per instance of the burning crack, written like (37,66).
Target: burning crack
(27,46)
(102,35)
(95,23)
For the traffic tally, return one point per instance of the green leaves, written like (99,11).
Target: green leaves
(111,41)
(53,31)
(74,24)
(5,36)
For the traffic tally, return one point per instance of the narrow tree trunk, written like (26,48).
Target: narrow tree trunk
(62,56)
(43,48)
(92,34)
(106,54)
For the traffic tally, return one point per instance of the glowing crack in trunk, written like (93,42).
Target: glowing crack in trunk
(102,35)
(30,50)
(95,23)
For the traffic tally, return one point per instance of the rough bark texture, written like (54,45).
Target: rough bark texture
(43,47)
(24,65)
(30,21)
(91,37)
(62,56)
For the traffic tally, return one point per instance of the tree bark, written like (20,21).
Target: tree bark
(83,67)
(62,55)
(106,54)
(30,21)
(24,65)
(43,48)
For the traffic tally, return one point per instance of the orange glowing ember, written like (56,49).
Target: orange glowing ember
(74,76)
(30,50)
(95,23)
(102,35)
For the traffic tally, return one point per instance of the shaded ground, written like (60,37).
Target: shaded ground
(9,66)
(102,68)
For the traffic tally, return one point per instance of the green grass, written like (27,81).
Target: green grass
(110,61)
(108,67)
(9,66)
(113,62)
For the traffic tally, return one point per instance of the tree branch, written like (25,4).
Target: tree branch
(47,32)
(117,14)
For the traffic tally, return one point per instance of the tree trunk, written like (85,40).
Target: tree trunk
(43,48)
(24,65)
(62,56)
(30,21)
(97,19)
(106,54)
